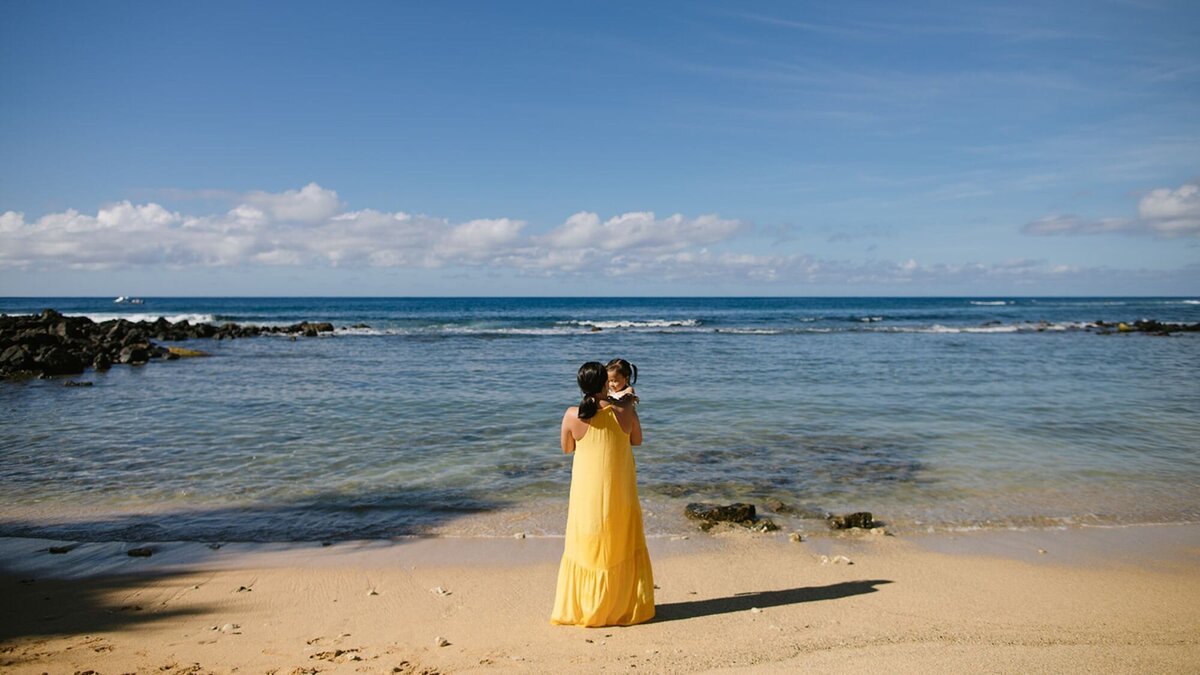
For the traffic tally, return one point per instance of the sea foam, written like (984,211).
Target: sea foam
(173,318)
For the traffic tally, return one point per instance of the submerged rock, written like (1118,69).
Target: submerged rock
(715,513)
(184,352)
(861,519)
(778,506)
(738,514)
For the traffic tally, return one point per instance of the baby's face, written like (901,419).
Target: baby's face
(616,382)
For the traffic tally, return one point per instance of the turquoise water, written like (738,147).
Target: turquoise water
(442,416)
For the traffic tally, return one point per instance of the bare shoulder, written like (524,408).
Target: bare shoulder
(573,411)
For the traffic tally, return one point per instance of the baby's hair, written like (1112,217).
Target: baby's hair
(592,379)
(625,368)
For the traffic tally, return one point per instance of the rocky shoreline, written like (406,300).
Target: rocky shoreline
(50,344)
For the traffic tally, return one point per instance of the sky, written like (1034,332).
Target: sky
(599,148)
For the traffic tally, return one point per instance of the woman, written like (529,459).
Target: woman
(605,577)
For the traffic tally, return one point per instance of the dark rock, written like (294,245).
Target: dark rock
(36,338)
(360,325)
(77,383)
(715,513)
(59,550)
(141,552)
(861,519)
(49,344)
(16,358)
(59,361)
(134,354)
(764,525)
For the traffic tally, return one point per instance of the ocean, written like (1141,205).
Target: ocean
(440,416)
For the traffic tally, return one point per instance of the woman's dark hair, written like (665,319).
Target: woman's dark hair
(625,368)
(593,379)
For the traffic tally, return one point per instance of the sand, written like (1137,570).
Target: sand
(1097,600)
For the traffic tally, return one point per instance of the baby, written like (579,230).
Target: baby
(621,376)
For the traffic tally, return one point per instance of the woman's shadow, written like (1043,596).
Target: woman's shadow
(673,611)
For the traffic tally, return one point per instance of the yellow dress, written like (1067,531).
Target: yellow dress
(604,578)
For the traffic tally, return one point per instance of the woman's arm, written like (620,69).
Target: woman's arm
(566,439)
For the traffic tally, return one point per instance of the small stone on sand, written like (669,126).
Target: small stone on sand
(795,537)
(519,535)
(439,591)
(441,641)
(756,610)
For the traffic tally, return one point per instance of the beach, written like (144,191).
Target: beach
(1123,599)
(388,496)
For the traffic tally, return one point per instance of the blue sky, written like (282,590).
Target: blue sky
(600,148)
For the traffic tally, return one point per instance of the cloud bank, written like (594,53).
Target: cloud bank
(312,227)
(1166,213)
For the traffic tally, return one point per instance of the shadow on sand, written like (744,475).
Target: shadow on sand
(50,607)
(92,585)
(741,602)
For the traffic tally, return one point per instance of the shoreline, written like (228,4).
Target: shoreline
(1171,543)
(1099,599)
(534,517)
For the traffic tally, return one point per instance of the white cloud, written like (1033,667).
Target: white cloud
(309,204)
(641,230)
(1164,212)
(1172,213)
(481,238)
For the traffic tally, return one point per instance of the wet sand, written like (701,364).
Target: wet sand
(1081,600)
